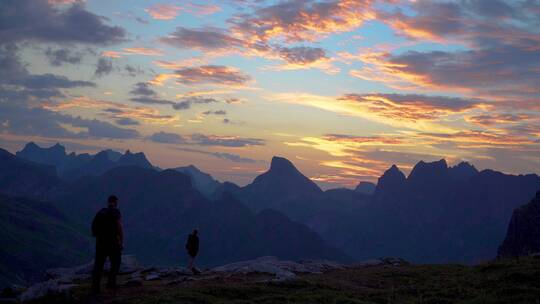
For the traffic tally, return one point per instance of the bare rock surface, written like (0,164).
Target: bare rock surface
(283,270)
(51,287)
(129,265)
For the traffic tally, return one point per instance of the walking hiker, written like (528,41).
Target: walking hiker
(192,247)
(109,234)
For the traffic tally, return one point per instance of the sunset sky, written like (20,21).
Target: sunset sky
(343,88)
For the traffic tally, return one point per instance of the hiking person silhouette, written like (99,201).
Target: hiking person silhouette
(192,247)
(109,234)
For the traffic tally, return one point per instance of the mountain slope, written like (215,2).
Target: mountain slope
(21,177)
(35,236)
(202,181)
(523,235)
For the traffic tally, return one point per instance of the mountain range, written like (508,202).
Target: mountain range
(438,213)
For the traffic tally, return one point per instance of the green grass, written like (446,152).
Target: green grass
(508,281)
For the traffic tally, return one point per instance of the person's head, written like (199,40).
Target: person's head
(112,201)
(195,232)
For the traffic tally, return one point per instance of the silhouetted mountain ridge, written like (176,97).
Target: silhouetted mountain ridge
(72,166)
(161,208)
(523,234)
(435,214)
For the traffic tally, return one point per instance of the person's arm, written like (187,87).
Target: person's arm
(120,233)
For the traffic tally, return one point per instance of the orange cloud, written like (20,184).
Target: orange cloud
(478,139)
(418,112)
(163,11)
(112,54)
(171,11)
(64,2)
(215,74)
(413,107)
(487,120)
(302,20)
(143,51)
(115,110)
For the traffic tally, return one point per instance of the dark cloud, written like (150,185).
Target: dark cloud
(502,36)
(217,41)
(166,138)
(218,112)
(491,8)
(186,103)
(127,122)
(38,20)
(143,89)
(225,141)
(50,81)
(61,56)
(487,120)
(217,74)
(145,94)
(152,100)
(16,82)
(301,20)
(204,140)
(201,39)
(104,66)
(301,54)
(133,71)
(227,156)
(21,120)
(508,70)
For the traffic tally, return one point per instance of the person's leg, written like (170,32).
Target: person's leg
(190,262)
(116,259)
(193,267)
(99,262)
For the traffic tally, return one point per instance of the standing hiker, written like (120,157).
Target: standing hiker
(109,234)
(192,247)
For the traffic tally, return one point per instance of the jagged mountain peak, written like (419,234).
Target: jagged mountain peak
(53,155)
(101,155)
(136,159)
(393,172)
(280,181)
(32,147)
(423,170)
(392,180)
(281,164)
(463,171)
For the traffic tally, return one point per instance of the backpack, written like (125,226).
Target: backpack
(99,223)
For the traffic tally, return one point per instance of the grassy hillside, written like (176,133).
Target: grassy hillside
(508,281)
(36,236)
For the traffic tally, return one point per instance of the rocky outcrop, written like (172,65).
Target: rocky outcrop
(129,265)
(523,235)
(62,280)
(283,270)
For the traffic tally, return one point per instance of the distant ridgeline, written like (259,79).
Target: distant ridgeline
(436,214)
